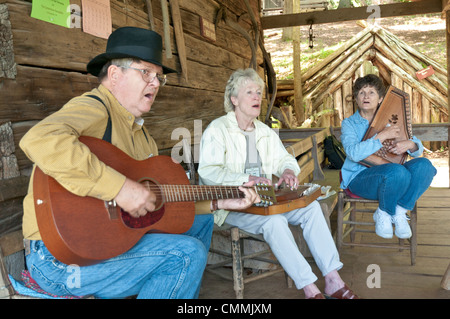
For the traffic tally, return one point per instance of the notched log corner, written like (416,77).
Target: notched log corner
(7,64)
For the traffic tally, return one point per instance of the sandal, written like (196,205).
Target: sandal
(344,293)
(318,296)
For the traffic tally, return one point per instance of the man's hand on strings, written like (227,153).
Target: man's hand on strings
(136,199)
(241,203)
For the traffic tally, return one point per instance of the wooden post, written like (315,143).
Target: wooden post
(318,174)
(166,28)
(288,8)
(179,37)
(447,33)
(151,19)
(238,267)
(298,95)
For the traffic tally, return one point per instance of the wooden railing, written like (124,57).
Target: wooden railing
(300,143)
(304,144)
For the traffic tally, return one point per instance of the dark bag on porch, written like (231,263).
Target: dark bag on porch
(334,152)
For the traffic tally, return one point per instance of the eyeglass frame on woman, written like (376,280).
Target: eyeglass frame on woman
(146,73)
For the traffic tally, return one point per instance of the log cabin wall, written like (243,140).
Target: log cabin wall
(43,65)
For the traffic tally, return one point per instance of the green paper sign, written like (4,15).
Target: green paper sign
(53,11)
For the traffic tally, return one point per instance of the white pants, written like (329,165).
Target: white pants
(277,234)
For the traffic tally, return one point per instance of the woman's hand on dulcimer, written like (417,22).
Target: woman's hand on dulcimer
(289,178)
(402,147)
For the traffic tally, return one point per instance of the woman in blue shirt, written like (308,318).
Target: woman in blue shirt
(396,187)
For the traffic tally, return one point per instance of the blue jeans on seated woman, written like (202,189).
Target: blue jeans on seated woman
(159,266)
(394,184)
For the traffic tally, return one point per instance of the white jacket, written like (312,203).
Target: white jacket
(223,153)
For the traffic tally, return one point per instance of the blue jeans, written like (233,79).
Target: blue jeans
(394,184)
(159,266)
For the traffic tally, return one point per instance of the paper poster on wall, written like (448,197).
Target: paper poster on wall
(53,11)
(97,17)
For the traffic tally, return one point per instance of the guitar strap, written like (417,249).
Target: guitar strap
(108,132)
(107,136)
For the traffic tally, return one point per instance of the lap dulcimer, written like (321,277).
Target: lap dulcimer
(287,200)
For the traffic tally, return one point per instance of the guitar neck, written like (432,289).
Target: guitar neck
(182,193)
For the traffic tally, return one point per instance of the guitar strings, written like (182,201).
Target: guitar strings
(193,192)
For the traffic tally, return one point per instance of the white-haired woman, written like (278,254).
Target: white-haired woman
(237,148)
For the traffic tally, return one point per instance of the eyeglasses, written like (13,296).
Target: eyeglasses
(148,76)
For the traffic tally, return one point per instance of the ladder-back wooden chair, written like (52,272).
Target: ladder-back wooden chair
(235,236)
(237,257)
(351,214)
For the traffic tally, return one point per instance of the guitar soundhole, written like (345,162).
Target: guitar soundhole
(151,217)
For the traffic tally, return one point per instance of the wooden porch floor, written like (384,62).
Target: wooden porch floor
(398,279)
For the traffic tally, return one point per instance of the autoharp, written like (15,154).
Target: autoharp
(285,200)
(394,110)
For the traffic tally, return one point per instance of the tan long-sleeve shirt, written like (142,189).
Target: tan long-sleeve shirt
(53,145)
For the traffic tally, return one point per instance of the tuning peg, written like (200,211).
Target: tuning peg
(266,203)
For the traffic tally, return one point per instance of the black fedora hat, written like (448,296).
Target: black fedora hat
(130,42)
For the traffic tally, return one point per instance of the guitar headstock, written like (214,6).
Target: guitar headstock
(267,195)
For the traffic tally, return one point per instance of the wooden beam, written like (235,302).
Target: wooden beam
(151,19)
(350,14)
(166,24)
(423,131)
(445,7)
(447,36)
(298,94)
(179,37)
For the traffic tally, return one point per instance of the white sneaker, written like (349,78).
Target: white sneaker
(383,224)
(402,228)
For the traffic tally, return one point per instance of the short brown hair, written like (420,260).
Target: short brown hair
(369,80)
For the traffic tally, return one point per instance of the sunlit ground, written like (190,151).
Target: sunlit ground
(424,33)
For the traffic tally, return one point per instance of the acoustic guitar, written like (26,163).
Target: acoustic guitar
(85,230)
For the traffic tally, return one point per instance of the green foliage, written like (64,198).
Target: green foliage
(275,123)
